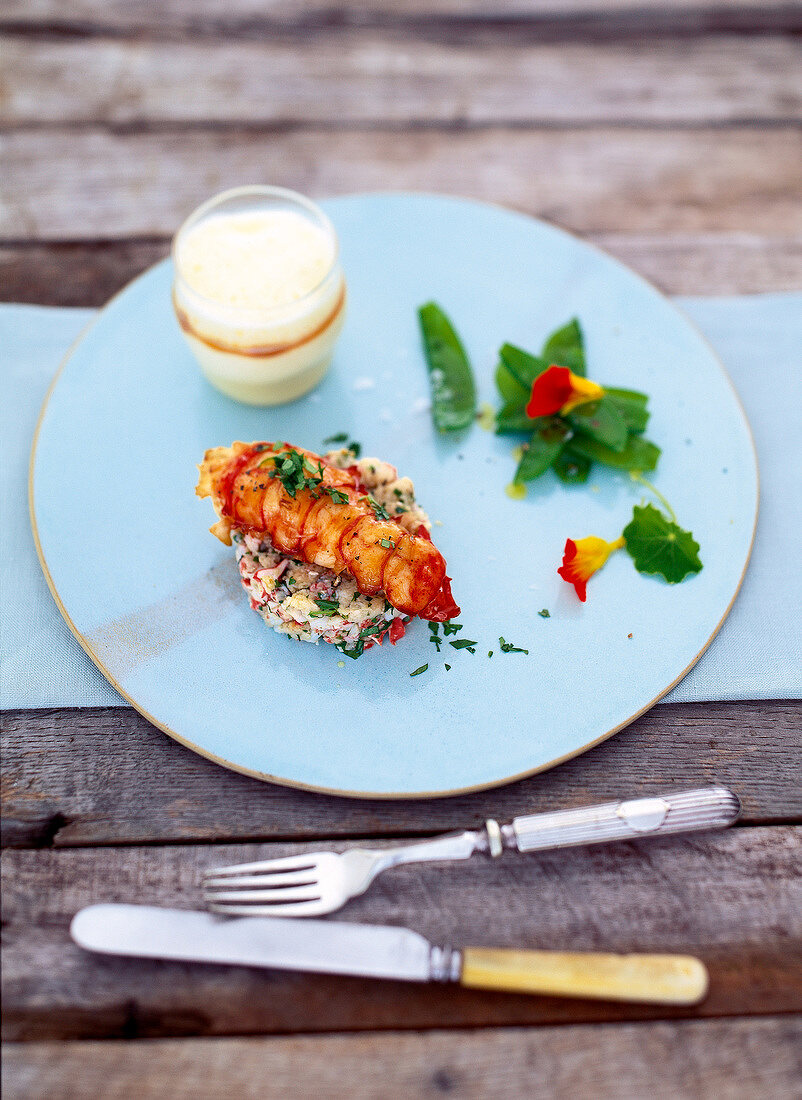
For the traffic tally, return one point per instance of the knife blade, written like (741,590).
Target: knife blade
(376,951)
(326,947)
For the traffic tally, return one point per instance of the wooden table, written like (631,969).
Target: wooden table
(666,131)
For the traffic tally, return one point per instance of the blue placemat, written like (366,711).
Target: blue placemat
(757,655)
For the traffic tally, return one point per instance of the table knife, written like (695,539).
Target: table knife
(376,951)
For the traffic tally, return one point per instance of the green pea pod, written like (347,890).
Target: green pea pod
(639,453)
(450,374)
(542,449)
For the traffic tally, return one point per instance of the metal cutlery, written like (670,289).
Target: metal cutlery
(314,883)
(335,947)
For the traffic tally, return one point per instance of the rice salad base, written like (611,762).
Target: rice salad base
(311,603)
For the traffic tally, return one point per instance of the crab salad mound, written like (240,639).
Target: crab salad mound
(309,602)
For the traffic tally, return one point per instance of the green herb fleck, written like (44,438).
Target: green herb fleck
(339,437)
(462,643)
(336,495)
(508,647)
(329,606)
(379,511)
(418,671)
(388,544)
(451,628)
(490,652)
(448,668)
(544,614)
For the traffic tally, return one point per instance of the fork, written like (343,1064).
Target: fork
(314,883)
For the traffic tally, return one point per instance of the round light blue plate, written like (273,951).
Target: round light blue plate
(156,601)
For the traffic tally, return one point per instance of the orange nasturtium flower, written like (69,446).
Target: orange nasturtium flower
(583,558)
(559,390)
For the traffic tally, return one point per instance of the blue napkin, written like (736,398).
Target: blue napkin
(757,655)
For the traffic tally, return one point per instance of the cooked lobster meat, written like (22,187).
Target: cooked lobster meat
(323,515)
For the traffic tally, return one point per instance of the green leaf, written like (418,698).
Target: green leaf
(523,367)
(542,449)
(418,671)
(657,545)
(450,375)
(462,643)
(639,454)
(565,347)
(631,405)
(329,606)
(512,418)
(509,387)
(600,420)
(570,467)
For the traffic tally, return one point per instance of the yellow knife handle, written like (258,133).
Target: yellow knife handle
(652,979)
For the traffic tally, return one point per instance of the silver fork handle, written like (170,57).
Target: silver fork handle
(708,808)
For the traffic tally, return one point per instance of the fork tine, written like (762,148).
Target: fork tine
(267,882)
(266,866)
(290,909)
(309,892)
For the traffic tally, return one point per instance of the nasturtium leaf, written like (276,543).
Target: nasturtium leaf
(631,405)
(542,449)
(657,545)
(639,454)
(509,387)
(600,420)
(511,418)
(565,347)
(522,366)
(570,467)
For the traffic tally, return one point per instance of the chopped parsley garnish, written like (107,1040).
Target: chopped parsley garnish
(448,668)
(544,614)
(388,544)
(451,628)
(329,606)
(355,652)
(462,643)
(295,471)
(508,647)
(490,652)
(418,671)
(379,511)
(339,437)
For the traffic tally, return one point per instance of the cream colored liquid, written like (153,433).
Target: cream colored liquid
(260,299)
(255,260)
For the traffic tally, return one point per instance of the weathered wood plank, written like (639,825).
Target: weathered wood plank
(89,184)
(734,898)
(105,776)
(688,1060)
(376,78)
(88,274)
(601,18)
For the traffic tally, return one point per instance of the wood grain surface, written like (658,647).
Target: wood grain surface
(702,895)
(106,776)
(99,183)
(666,131)
(375,79)
(685,1060)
